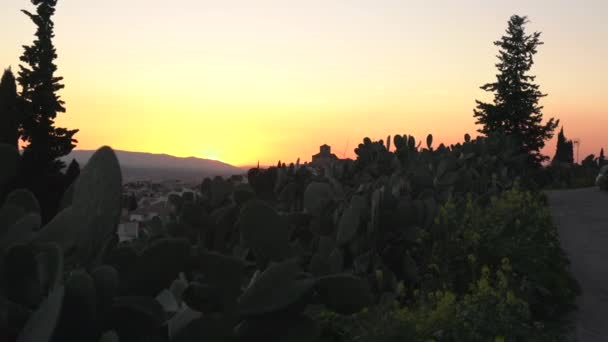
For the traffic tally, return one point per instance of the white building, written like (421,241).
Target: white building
(128,231)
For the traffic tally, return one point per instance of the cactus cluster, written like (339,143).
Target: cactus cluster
(70,280)
(237,262)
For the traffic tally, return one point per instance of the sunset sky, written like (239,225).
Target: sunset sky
(242,81)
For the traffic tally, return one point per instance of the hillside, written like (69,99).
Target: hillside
(156,167)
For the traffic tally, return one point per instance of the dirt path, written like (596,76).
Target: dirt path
(581,216)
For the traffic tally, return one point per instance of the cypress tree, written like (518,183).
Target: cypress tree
(515,110)
(45,143)
(564,152)
(601,160)
(9,120)
(39,87)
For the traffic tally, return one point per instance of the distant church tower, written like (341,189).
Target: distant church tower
(324,157)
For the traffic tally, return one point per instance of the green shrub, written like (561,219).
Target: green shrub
(518,226)
(386,322)
(489,310)
(568,176)
(493,271)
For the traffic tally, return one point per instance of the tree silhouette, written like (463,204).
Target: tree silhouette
(72,172)
(515,110)
(589,161)
(9,119)
(46,143)
(601,160)
(564,152)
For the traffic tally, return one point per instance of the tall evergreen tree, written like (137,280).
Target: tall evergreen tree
(515,110)
(9,113)
(564,152)
(46,143)
(601,160)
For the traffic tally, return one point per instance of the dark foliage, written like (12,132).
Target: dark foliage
(444,234)
(515,110)
(564,151)
(45,143)
(9,111)
(72,172)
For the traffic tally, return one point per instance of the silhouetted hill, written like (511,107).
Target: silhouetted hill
(157,167)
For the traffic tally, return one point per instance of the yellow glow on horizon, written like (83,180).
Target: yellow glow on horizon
(244,82)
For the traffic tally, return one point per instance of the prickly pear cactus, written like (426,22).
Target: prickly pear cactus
(96,202)
(220,191)
(62,229)
(41,325)
(158,266)
(20,278)
(242,193)
(223,272)
(21,231)
(276,288)
(9,214)
(136,317)
(79,314)
(264,231)
(348,226)
(50,264)
(316,196)
(23,198)
(344,294)
(203,298)
(107,284)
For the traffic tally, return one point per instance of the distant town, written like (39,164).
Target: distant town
(146,201)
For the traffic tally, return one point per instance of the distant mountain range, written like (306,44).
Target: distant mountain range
(161,167)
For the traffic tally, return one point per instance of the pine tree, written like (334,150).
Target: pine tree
(9,120)
(564,152)
(601,160)
(46,143)
(515,110)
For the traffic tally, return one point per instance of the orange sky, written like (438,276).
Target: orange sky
(240,83)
